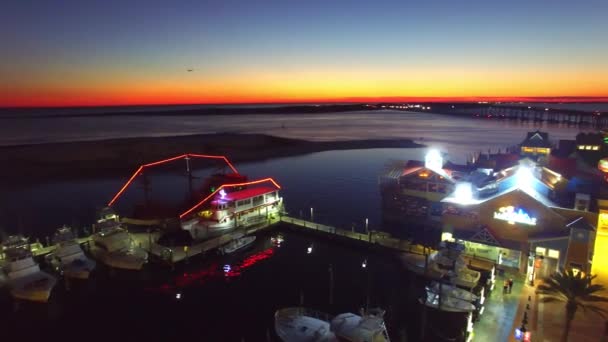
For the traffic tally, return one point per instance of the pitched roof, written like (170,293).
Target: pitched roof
(537,139)
(247,193)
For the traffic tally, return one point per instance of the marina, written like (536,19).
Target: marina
(247,220)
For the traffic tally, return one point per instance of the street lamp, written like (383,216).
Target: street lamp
(312,216)
(366,225)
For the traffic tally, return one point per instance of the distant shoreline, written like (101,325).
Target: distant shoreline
(41,162)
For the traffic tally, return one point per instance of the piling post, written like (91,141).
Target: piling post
(331,285)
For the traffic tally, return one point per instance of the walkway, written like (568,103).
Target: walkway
(496,322)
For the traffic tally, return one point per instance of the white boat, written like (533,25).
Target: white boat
(229,210)
(448,290)
(446,303)
(448,262)
(69,257)
(113,246)
(298,324)
(367,327)
(25,279)
(237,244)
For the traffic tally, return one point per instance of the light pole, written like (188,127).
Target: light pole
(312,216)
(366,225)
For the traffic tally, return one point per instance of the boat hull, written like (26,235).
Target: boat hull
(36,287)
(122,260)
(79,271)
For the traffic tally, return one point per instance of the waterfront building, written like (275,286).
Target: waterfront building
(413,190)
(519,226)
(536,145)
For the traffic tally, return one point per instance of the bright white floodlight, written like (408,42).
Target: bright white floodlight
(463,193)
(524,177)
(433,160)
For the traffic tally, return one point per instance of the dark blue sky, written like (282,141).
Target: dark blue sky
(50,49)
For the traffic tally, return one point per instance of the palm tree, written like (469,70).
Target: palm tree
(574,289)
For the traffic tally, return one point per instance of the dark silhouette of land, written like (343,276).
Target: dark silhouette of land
(122,156)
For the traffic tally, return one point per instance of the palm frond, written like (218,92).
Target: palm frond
(596,309)
(552,299)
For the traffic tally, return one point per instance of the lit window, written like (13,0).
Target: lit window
(595,148)
(581,147)
(553,254)
(588,147)
(540,251)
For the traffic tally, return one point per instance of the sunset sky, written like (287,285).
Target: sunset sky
(116,52)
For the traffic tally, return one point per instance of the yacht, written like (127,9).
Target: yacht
(446,303)
(237,244)
(449,290)
(449,262)
(113,246)
(69,258)
(297,324)
(25,279)
(229,210)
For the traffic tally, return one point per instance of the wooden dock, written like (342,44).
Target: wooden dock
(176,254)
(373,237)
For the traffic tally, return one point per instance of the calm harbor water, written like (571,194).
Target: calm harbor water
(220,305)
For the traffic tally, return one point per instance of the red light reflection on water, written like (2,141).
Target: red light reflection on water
(213,271)
(235,271)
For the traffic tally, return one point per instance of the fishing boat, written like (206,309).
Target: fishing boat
(69,257)
(449,290)
(297,324)
(229,210)
(237,244)
(446,303)
(449,262)
(25,279)
(113,246)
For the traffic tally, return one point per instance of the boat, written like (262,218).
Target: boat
(113,246)
(297,324)
(69,257)
(367,327)
(448,303)
(236,244)
(25,279)
(450,290)
(449,262)
(230,210)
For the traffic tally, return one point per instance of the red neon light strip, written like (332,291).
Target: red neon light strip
(215,157)
(228,185)
(124,187)
(165,160)
(141,168)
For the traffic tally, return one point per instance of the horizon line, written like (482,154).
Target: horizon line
(346,100)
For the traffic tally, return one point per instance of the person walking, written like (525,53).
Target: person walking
(510,284)
(505,287)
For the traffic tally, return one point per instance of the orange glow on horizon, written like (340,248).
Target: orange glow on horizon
(118,87)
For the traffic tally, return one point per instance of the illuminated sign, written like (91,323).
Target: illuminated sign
(222,194)
(513,215)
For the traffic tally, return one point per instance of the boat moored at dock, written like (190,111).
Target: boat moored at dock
(69,257)
(237,244)
(25,279)
(113,245)
(297,324)
(229,210)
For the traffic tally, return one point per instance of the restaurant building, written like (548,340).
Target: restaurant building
(519,226)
